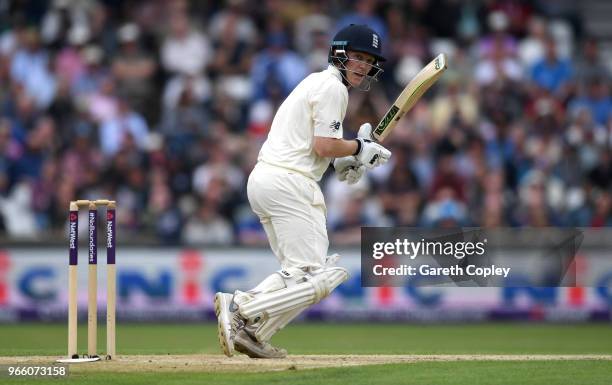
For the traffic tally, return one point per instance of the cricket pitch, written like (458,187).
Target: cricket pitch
(215,363)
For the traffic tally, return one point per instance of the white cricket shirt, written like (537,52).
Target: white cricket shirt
(316,107)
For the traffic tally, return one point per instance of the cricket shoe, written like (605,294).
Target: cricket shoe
(223,310)
(245,343)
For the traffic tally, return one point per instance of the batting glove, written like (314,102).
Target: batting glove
(348,169)
(371,154)
(365,131)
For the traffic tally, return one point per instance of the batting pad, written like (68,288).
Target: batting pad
(268,328)
(307,290)
(279,280)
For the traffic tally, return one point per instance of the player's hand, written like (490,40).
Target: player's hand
(348,169)
(353,175)
(372,154)
(365,131)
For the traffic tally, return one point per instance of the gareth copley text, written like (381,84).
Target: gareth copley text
(412,249)
(427,270)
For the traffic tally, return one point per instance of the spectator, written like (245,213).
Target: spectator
(446,176)
(531,48)
(40,145)
(364,13)
(94,73)
(499,42)
(602,215)
(30,67)
(277,70)
(103,104)
(316,58)
(82,161)
(163,209)
(185,122)
(312,34)
(185,50)
(207,227)
(490,210)
(552,72)
(236,20)
(233,43)
(590,64)
(444,210)
(218,167)
(249,230)
(69,63)
(596,101)
(499,65)
(113,132)
(533,208)
(454,104)
(134,70)
(357,211)
(399,195)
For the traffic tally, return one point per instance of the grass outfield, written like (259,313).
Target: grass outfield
(370,339)
(51,339)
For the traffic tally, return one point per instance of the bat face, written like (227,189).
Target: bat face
(410,96)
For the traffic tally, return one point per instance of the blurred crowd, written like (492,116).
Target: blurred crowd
(163,106)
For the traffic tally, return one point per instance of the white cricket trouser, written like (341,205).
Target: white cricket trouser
(292,211)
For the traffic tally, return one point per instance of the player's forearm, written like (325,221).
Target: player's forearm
(334,148)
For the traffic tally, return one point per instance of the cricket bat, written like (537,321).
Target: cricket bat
(409,96)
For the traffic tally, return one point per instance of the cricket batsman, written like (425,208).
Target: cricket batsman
(305,137)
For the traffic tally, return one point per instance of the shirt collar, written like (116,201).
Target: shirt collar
(335,71)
